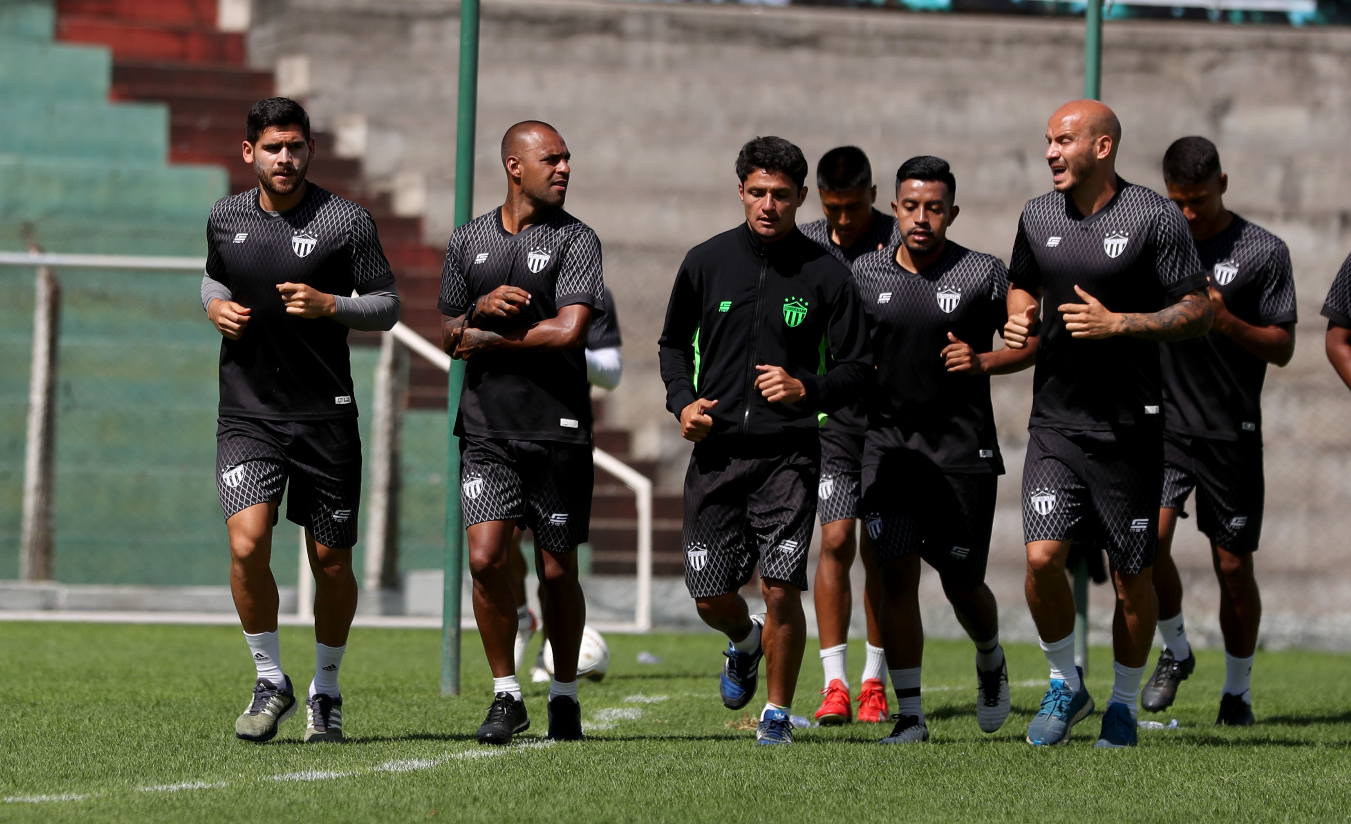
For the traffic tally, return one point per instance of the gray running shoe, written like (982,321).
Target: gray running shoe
(1161,688)
(269,707)
(324,719)
(992,697)
(909,730)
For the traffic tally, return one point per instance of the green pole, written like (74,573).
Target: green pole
(464,212)
(1092,91)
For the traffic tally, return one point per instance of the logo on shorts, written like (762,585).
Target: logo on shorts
(874,524)
(241,237)
(233,476)
(885,297)
(558,519)
(960,552)
(987,453)
(481,257)
(724,306)
(1238,522)
(794,311)
(1151,410)
(948,298)
(342,400)
(1225,272)
(1139,524)
(473,487)
(787,546)
(341,515)
(697,556)
(302,243)
(1042,500)
(825,488)
(537,260)
(1248,426)
(1052,242)
(1115,243)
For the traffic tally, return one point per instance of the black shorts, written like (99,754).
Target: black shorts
(1100,488)
(321,460)
(545,486)
(837,494)
(910,505)
(749,499)
(1229,484)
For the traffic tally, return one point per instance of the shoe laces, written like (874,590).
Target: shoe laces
(871,700)
(777,727)
(501,706)
(1056,702)
(832,691)
(321,707)
(989,686)
(903,723)
(262,693)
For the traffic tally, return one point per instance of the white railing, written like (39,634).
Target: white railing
(40,436)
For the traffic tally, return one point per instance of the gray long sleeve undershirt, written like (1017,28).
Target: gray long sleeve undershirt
(376,310)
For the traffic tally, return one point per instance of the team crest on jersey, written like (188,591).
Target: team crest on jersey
(1225,272)
(697,556)
(825,488)
(473,487)
(1043,501)
(1115,243)
(302,243)
(537,260)
(874,524)
(948,298)
(233,476)
(794,311)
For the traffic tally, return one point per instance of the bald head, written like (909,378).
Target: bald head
(536,160)
(1081,142)
(1090,116)
(524,136)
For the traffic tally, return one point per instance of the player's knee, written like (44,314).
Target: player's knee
(1234,571)
(249,549)
(780,596)
(332,566)
(1044,558)
(486,561)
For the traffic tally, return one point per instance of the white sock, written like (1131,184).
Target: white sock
(833,661)
(875,665)
(327,661)
(906,684)
(565,688)
(266,649)
(752,640)
(989,655)
(1060,655)
(1238,676)
(786,710)
(1126,687)
(1175,637)
(509,685)
(523,618)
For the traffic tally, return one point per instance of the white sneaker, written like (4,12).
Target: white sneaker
(523,637)
(538,674)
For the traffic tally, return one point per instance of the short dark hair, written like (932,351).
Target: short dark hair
(772,154)
(843,169)
(275,112)
(927,167)
(1189,161)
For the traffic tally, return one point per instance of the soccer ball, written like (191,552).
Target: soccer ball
(593,660)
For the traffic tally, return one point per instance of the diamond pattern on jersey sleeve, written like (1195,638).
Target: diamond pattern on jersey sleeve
(1337,307)
(370,268)
(1277,303)
(454,300)
(215,264)
(1175,259)
(1023,270)
(579,272)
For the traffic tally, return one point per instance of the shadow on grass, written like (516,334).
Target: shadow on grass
(657,676)
(1307,720)
(358,740)
(1253,742)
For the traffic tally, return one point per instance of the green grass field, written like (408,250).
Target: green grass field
(135,723)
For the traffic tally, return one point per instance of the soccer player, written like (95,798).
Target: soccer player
(851,227)
(931,462)
(1212,408)
(282,262)
(518,292)
(1337,309)
(749,313)
(1116,270)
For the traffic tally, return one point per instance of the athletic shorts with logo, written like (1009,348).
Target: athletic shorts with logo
(838,493)
(543,485)
(911,505)
(1229,483)
(256,459)
(1097,487)
(747,500)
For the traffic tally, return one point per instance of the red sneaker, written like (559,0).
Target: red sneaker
(872,701)
(835,708)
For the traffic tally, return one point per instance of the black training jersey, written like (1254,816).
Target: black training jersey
(529,396)
(1337,307)
(604,331)
(1133,255)
(918,404)
(880,231)
(1212,388)
(285,367)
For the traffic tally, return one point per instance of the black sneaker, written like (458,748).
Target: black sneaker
(506,717)
(1161,688)
(908,730)
(1235,712)
(565,719)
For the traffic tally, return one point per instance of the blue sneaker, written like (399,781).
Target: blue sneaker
(1061,709)
(1118,727)
(740,675)
(775,728)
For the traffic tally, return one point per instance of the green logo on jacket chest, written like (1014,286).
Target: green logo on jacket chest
(794,311)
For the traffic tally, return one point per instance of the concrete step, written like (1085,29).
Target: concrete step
(35,21)
(178,235)
(137,40)
(43,71)
(40,189)
(129,133)
(147,79)
(195,13)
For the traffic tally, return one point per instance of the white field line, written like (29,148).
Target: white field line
(187,785)
(39,799)
(644,699)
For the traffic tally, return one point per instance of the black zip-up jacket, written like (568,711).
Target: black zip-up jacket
(739,302)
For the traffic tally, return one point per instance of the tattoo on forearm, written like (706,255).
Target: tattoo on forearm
(1188,318)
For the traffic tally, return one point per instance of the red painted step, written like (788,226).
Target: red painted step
(200,13)
(142,80)
(138,41)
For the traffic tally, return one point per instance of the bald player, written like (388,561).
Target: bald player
(1114,268)
(520,287)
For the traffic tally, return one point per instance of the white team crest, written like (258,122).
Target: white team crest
(233,476)
(1115,243)
(1043,501)
(537,260)
(874,524)
(697,556)
(1225,272)
(825,488)
(948,298)
(473,487)
(302,243)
